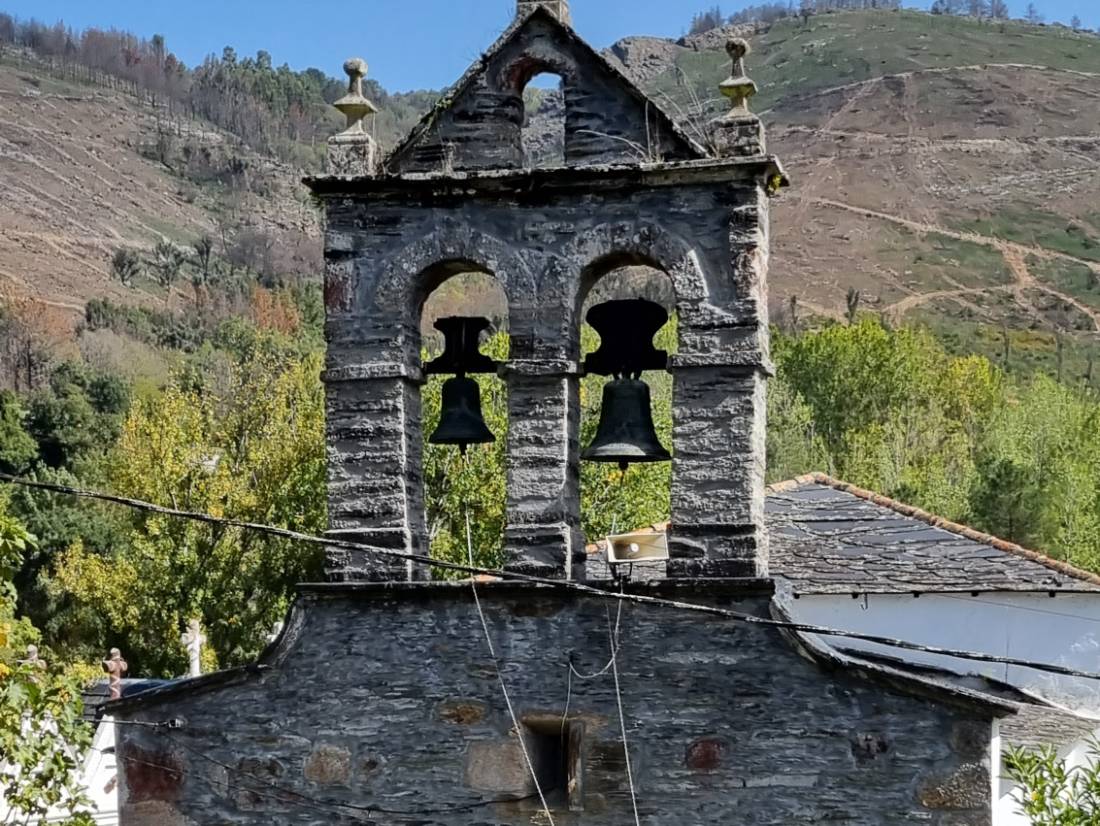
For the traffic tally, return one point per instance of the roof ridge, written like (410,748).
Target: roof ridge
(928,518)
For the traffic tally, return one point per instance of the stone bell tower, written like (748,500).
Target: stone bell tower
(456,196)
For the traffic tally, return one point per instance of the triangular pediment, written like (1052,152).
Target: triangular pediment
(478,123)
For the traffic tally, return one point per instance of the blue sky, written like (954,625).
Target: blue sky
(409,44)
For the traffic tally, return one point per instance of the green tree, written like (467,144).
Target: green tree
(42,734)
(17,447)
(126,266)
(168,260)
(1052,794)
(246,443)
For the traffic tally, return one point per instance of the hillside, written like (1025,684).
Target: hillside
(946,169)
(88,170)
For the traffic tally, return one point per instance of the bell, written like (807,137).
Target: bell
(626,434)
(461,422)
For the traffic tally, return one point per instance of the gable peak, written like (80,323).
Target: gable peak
(558,8)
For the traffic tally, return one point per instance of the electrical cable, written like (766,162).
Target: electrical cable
(561,584)
(622,717)
(500,675)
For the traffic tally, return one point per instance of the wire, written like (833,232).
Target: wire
(612,637)
(596,674)
(561,584)
(500,674)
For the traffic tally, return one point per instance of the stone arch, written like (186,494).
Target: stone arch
(609,246)
(512,77)
(417,270)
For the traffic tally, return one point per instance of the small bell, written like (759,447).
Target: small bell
(626,434)
(461,422)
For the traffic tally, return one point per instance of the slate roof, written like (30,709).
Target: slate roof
(829,537)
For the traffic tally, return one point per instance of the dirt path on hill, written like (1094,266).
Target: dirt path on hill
(1015,256)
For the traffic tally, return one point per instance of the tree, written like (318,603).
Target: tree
(998,9)
(204,260)
(854,298)
(1075,22)
(1051,794)
(1032,15)
(126,266)
(42,733)
(168,260)
(244,441)
(17,448)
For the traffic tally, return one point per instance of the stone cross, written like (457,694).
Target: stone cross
(116,668)
(193,640)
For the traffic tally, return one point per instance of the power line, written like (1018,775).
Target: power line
(560,584)
(613,639)
(500,678)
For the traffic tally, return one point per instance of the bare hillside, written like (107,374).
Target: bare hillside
(85,171)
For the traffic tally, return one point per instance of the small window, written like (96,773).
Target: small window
(557,754)
(544,122)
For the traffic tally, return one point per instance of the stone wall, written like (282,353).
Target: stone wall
(548,241)
(385,698)
(480,125)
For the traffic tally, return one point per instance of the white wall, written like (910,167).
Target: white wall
(1062,630)
(100,778)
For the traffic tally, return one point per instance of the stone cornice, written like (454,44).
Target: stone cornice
(760,170)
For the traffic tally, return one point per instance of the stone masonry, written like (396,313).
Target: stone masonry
(547,236)
(384,699)
(380,702)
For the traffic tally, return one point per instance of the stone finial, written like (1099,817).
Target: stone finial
(352,152)
(738,87)
(116,669)
(739,132)
(558,8)
(354,105)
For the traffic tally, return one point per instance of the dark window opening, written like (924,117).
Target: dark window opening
(557,754)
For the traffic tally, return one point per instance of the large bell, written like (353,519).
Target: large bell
(626,434)
(461,422)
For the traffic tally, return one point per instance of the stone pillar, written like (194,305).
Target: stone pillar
(375,490)
(542,530)
(558,8)
(718,472)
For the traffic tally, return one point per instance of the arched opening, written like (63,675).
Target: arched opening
(463,485)
(543,133)
(614,500)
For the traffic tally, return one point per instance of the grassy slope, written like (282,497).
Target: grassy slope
(909,183)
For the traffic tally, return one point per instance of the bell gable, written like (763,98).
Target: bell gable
(478,124)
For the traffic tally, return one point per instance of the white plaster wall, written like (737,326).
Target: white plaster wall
(1062,630)
(100,778)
